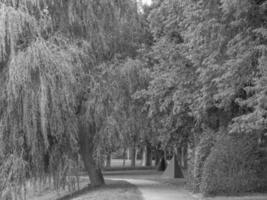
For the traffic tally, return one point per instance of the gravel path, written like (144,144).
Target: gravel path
(154,190)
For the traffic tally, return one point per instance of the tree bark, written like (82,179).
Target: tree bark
(144,154)
(165,155)
(87,132)
(133,154)
(108,160)
(95,174)
(157,156)
(148,155)
(124,157)
(185,156)
(178,152)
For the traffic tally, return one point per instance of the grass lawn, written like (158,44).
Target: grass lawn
(113,190)
(251,196)
(116,163)
(241,197)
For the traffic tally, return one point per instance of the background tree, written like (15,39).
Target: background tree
(131,77)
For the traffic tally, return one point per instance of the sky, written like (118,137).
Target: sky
(146,2)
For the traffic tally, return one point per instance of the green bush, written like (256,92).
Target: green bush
(232,166)
(263,169)
(197,160)
(189,173)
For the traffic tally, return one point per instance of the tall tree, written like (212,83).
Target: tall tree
(51,104)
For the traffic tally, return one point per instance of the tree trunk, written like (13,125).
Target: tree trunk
(100,159)
(133,154)
(182,157)
(108,161)
(95,174)
(124,157)
(165,155)
(185,156)
(148,155)
(144,158)
(179,155)
(158,156)
(86,141)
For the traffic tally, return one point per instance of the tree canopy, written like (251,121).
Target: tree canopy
(82,78)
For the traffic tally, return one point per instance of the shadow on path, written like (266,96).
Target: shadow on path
(120,188)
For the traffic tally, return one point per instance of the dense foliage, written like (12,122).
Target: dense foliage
(81,79)
(232,166)
(53,95)
(208,76)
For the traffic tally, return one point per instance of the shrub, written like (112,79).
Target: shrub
(262,173)
(232,166)
(190,170)
(197,160)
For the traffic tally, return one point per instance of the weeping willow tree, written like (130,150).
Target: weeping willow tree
(51,107)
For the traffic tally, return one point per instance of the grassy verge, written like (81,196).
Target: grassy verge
(248,196)
(127,168)
(113,190)
(241,197)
